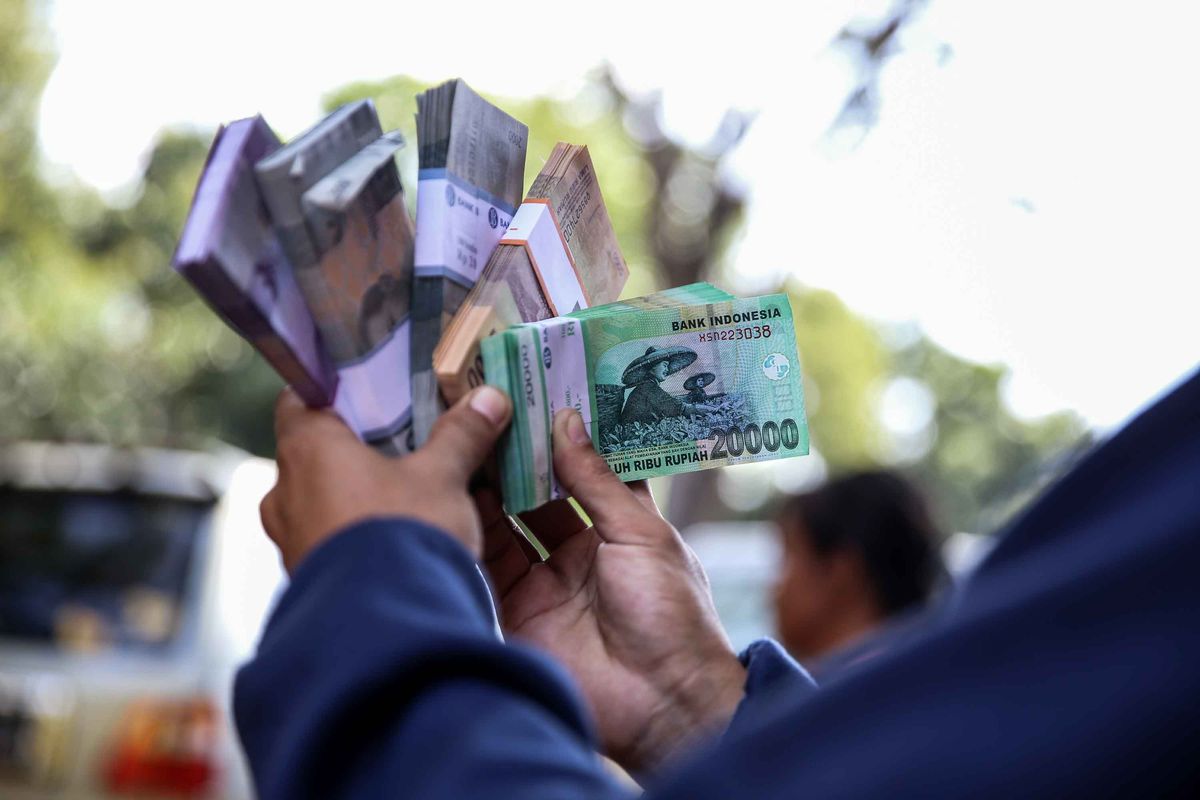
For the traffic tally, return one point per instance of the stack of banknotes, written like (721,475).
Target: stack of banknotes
(559,254)
(307,249)
(231,254)
(681,380)
(472,168)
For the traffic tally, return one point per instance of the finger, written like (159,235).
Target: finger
(465,434)
(641,490)
(487,503)
(613,507)
(268,512)
(493,517)
(288,405)
(554,523)
(503,557)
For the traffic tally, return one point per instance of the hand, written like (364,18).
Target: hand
(624,605)
(328,479)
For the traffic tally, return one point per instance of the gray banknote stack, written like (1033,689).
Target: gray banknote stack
(472,165)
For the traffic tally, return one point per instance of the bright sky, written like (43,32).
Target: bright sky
(1031,200)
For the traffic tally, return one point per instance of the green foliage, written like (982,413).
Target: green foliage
(842,358)
(982,457)
(103,342)
(588,118)
(978,461)
(106,343)
(109,343)
(25,63)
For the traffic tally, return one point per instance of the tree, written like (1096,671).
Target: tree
(25,64)
(592,118)
(104,342)
(981,461)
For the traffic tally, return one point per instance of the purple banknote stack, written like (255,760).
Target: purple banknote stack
(231,254)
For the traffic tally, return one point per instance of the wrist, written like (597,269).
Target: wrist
(700,704)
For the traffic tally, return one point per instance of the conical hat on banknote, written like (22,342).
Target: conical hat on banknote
(676,357)
(699,381)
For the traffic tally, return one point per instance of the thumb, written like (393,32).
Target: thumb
(464,435)
(613,507)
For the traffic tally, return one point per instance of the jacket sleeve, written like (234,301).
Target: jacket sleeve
(771,675)
(1065,668)
(380,674)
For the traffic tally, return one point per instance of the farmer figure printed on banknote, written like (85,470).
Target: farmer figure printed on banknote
(649,402)
(695,387)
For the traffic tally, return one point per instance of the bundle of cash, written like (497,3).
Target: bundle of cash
(308,251)
(335,198)
(360,289)
(560,254)
(229,252)
(675,382)
(472,166)
(286,174)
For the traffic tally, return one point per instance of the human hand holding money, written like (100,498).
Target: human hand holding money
(308,251)
(624,604)
(337,205)
(329,479)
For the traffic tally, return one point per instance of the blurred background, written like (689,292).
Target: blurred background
(984,219)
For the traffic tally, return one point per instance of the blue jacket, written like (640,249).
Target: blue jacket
(1069,666)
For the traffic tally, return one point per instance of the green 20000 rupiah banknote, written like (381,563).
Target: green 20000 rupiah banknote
(674,382)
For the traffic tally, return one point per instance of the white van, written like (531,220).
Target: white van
(132,584)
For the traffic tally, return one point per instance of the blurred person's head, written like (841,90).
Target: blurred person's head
(857,551)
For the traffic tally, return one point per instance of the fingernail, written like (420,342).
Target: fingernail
(491,403)
(576,429)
